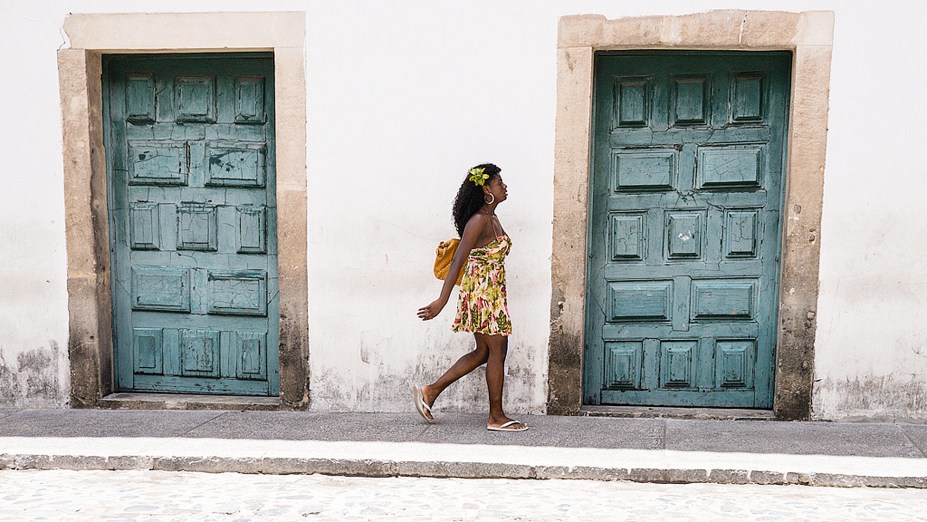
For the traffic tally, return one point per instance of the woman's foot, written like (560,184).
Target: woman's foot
(423,402)
(505,424)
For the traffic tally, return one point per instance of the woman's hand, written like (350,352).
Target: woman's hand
(431,311)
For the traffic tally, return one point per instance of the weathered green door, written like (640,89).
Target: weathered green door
(190,157)
(684,236)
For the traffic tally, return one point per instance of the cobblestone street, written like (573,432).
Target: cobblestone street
(159,495)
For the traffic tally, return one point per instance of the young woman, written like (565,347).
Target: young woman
(481,306)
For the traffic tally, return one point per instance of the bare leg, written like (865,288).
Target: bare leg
(495,377)
(463,366)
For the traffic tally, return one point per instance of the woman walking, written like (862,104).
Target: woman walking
(481,306)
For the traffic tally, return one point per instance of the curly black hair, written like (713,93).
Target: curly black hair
(469,198)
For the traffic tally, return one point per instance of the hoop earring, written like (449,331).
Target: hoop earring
(491,201)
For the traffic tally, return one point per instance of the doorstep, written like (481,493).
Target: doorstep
(666,412)
(184,401)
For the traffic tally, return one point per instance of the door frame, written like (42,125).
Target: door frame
(809,37)
(90,340)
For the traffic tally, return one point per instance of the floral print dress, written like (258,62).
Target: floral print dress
(481,305)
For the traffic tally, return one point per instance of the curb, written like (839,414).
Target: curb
(446,469)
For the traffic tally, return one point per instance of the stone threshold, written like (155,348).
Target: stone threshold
(665,412)
(170,401)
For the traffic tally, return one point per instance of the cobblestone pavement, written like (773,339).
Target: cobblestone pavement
(161,495)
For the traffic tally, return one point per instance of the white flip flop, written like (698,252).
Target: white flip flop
(420,406)
(505,427)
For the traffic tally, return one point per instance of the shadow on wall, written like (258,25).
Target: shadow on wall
(32,380)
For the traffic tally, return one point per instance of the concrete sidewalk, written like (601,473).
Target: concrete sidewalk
(458,445)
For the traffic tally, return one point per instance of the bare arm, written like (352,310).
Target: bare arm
(472,233)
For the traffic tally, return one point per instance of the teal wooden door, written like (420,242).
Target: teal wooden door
(190,152)
(684,234)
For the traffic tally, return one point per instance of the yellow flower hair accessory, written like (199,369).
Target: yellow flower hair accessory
(478,176)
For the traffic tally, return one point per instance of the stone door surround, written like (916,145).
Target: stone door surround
(91,36)
(809,37)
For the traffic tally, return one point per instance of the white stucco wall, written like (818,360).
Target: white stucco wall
(871,349)
(33,292)
(409,106)
(403,97)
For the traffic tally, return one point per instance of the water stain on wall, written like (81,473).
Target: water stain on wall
(868,397)
(9,383)
(374,385)
(33,379)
